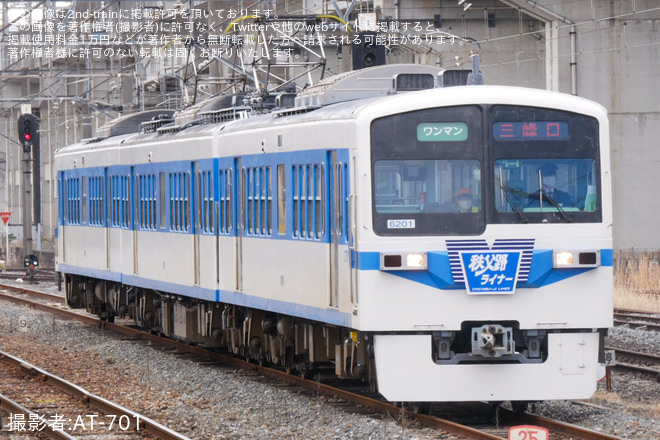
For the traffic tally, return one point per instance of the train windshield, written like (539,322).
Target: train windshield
(427,169)
(433,194)
(427,186)
(545,166)
(454,170)
(546,186)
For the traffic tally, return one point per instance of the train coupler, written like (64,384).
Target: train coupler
(492,340)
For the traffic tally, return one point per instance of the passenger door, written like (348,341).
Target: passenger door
(196,194)
(335,225)
(107,221)
(133,195)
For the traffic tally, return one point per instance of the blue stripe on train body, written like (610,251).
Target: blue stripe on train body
(331,316)
(446,270)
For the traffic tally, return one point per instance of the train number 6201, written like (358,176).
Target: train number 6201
(527,432)
(401,224)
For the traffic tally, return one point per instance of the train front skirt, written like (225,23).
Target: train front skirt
(406,372)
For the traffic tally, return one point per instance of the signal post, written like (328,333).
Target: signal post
(28,136)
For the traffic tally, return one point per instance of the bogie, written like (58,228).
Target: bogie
(295,345)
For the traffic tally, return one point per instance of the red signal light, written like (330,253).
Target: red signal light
(28,131)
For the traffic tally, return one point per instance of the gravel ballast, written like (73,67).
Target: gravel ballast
(210,402)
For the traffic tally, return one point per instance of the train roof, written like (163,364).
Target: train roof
(379,90)
(350,86)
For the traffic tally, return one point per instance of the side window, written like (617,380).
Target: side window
(84,199)
(205,212)
(179,201)
(207,198)
(108,201)
(66,213)
(161,201)
(115,202)
(308,198)
(125,188)
(310,211)
(249,194)
(258,200)
(147,201)
(120,213)
(319,199)
(60,198)
(72,189)
(268,203)
(295,194)
(96,202)
(281,199)
(226,207)
(142,201)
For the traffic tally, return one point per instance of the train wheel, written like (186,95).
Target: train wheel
(421,408)
(289,366)
(110,319)
(494,409)
(519,406)
(417,407)
(303,370)
(303,366)
(373,384)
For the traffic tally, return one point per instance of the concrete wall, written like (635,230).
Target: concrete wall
(618,49)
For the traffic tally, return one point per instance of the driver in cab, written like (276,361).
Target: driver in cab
(464,201)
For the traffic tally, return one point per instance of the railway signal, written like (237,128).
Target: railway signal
(28,132)
(367,51)
(28,135)
(31,262)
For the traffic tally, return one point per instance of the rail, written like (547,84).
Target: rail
(637,319)
(153,427)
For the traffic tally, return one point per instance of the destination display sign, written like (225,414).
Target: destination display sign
(531,131)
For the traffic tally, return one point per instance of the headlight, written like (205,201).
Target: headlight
(416,261)
(403,261)
(563,258)
(575,259)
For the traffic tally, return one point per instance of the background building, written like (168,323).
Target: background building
(78,64)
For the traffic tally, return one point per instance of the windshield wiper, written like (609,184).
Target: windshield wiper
(557,206)
(506,192)
(545,196)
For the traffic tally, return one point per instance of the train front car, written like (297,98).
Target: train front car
(485,258)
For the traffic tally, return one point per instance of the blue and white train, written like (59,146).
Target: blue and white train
(442,243)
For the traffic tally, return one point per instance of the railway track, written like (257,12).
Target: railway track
(637,361)
(40,276)
(558,430)
(631,360)
(41,403)
(637,319)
